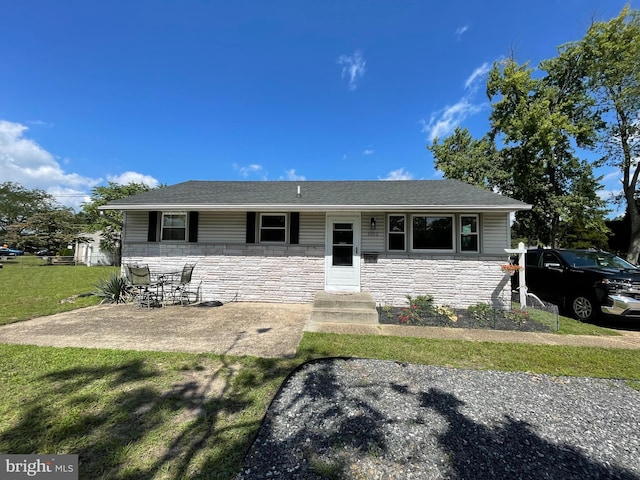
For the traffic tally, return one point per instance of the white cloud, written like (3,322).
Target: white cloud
(444,121)
(368,151)
(478,74)
(292,175)
(353,67)
(399,174)
(133,177)
(25,162)
(245,171)
(461,30)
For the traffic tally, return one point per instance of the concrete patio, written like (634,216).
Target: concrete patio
(256,329)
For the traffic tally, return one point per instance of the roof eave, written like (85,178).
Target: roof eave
(316,208)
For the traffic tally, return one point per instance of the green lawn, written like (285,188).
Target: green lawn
(133,415)
(31,288)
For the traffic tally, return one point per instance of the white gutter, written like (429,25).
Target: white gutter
(317,208)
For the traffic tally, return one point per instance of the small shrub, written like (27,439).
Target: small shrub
(114,289)
(422,311)
(519,317)
(446,312)
(388,311)
(419,308)
(482,313)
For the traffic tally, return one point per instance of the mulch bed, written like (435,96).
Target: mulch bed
(495,319)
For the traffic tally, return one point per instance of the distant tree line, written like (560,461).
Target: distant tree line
(32,220)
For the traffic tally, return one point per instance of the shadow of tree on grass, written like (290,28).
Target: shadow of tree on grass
(142,417)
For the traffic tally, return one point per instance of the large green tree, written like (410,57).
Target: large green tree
(54,229)
(608,59)
(529,153)
(18,203)
(539,122)
(465,158)
(110,225)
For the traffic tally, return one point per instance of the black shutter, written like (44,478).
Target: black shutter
(193,227)
(152,233)
(294,228)
(251,227)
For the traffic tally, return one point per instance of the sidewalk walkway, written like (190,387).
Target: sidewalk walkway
(627,339)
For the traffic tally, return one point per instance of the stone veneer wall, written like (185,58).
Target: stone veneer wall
(293,273)
(244,273)
(454,280)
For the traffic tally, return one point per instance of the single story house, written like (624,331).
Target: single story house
(283,241)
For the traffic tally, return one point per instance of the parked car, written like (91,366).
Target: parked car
(584,283)
(10,252)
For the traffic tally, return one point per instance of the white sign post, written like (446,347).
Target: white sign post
(521,280)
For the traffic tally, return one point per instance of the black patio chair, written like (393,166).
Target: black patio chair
(183,290)
(145,292)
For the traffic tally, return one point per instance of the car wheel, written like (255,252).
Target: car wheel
(583,308)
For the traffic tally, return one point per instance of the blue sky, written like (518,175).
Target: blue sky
(168,91)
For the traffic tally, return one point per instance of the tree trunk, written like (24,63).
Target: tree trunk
(634,240)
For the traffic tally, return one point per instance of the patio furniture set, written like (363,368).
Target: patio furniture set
(159,289)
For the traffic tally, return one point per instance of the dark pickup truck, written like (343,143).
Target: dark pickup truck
(584,283)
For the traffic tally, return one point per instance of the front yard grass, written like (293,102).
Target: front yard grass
(566,325)
(30,288)
(131,415)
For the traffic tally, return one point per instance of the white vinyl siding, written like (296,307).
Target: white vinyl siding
(373,240)
(136,226)
(495,233)
(312,228)
(222,227)
(230,228)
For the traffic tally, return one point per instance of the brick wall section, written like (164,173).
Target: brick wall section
(246,273)
(454,280)
(293,273)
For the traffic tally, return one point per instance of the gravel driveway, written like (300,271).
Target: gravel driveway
(370,419)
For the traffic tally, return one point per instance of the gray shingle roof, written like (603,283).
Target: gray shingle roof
(319,195)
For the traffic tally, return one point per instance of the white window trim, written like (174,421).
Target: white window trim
(389,232)
(435,250)
(286,227)
(186,227)
(476,233)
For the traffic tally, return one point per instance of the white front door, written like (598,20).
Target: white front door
(342,257)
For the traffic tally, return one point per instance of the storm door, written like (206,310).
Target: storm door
(342,258)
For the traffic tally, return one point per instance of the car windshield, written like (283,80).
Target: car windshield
(595,260)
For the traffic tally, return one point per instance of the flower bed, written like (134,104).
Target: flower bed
(422,312)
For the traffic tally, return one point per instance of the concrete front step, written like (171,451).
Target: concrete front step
(344,308)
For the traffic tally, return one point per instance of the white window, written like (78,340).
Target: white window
(174,226)
(273,228)
(397,234)
(432,232)
(469,233)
